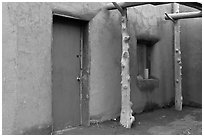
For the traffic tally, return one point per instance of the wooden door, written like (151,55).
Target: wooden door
(65,70)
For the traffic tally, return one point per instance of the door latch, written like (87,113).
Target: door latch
(78,78)
(78,56)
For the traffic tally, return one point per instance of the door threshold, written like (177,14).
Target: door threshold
(58,132)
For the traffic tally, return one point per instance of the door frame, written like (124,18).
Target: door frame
(84,64)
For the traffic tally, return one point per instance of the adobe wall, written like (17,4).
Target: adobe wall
(26,80)
(27,36)
(26,45)
(152,26)
(145,22)
(105,49)
(191,48)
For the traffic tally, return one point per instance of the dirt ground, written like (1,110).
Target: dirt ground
(158,122)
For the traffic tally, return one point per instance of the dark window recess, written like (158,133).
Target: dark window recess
(144,59)
(145,81)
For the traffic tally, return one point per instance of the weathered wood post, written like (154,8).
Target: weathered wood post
(126,117)
(177,50)
(177,62)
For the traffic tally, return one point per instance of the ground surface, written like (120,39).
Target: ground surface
(162,121)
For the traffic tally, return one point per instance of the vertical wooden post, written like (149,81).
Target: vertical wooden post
(126,117)
(177,61)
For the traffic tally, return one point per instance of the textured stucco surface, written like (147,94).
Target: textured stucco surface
(191,48)
(26,54)
(26,44)
(145,22)
(105,48)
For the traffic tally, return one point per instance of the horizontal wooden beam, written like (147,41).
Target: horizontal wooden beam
(110,6)
(195,5)
(184,15)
